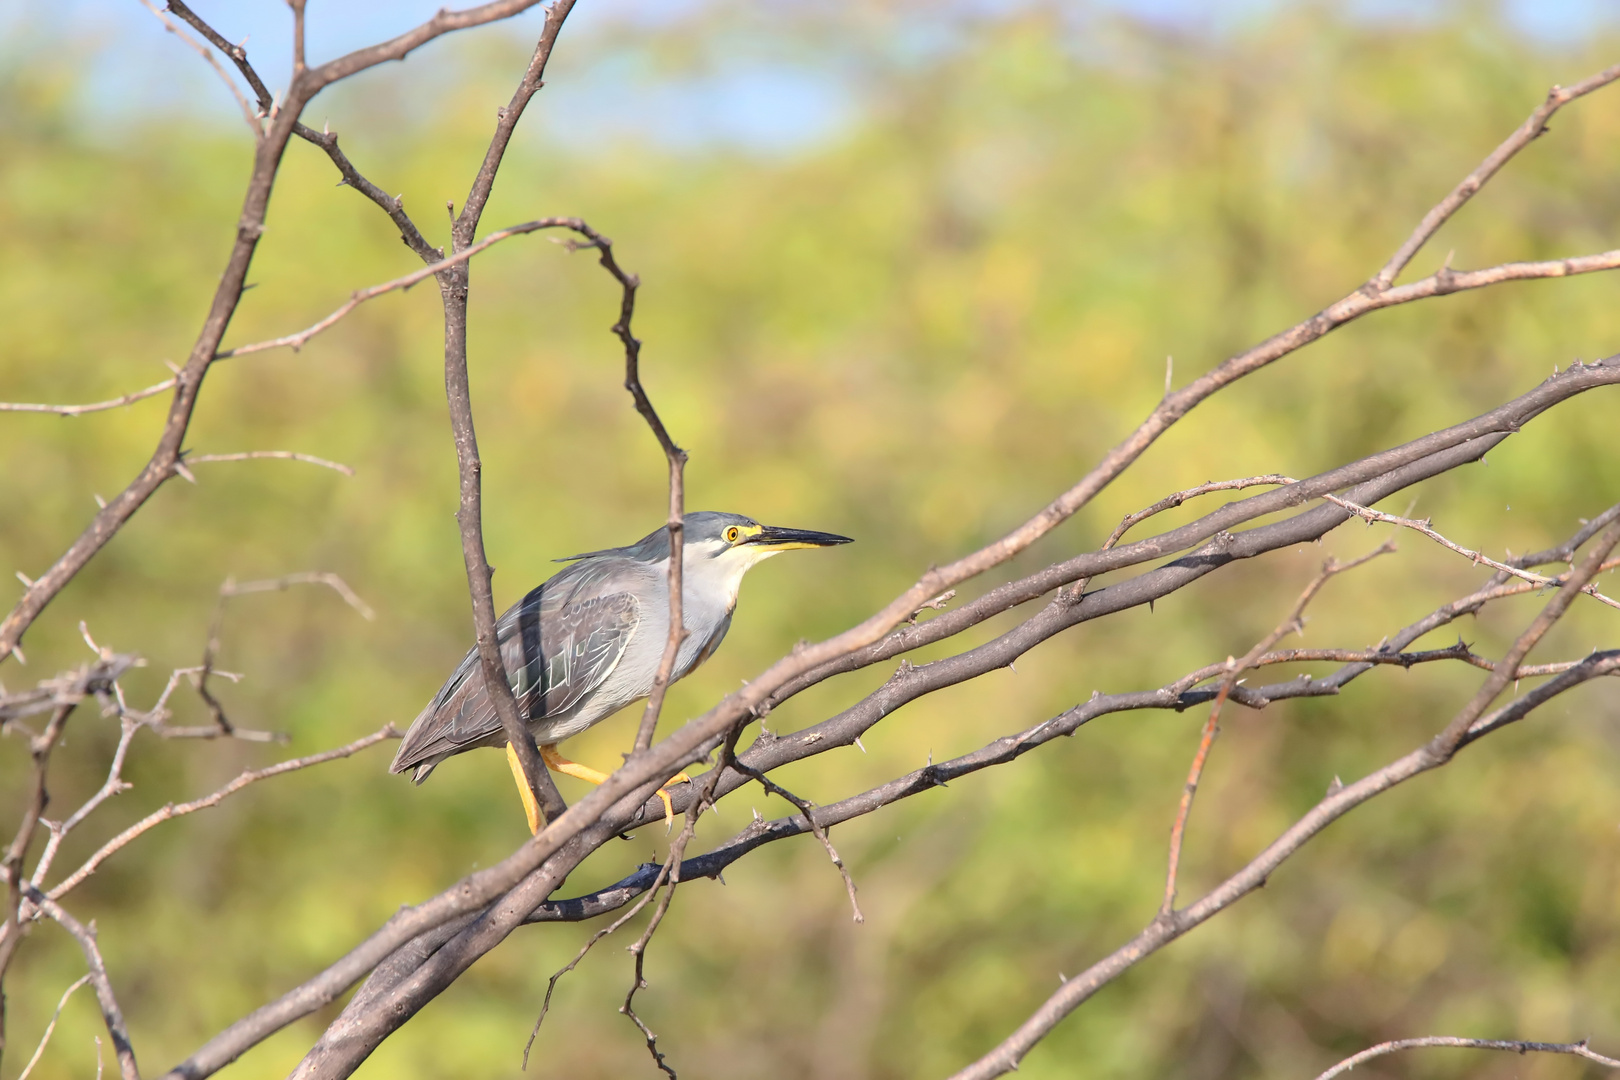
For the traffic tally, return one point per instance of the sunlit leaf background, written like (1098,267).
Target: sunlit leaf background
(909,269)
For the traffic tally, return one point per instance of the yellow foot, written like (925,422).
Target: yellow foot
(531,809)
(557,763)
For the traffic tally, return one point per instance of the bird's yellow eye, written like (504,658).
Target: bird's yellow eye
(731,535)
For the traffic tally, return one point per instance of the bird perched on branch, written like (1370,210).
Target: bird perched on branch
(588,642)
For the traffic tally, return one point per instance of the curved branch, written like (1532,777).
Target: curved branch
(97,406)
(1533,127)
(110,1012)
(1579,1049)
(1487,428)
(278,455)
(1166,928)
(174,810)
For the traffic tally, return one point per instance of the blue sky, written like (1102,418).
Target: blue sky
(751,98)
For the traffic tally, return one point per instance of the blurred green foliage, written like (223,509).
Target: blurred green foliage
(915,335)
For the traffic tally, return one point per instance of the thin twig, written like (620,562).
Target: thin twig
(405,281)
(11,866)
(236,52)
(326,140)
(1170,502)
(50,1028)
(1476,557)
(174,810)
(114,785)
(307,577)
(672,869)
(808,811)
(96,406)
(1340,801)
(1579,1049)
(201,50)
(393,206)
(1526,133)
(281,455)
(1294,623)
(454,277)
(200,675)
(1446,743)
(670,872)
(110,1012)
(556,976)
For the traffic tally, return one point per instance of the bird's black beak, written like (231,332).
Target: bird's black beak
(773,536)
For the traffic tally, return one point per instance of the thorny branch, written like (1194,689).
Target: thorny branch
(671,871)
(1178,695)
(1476,557)
(111,1014)
(1471,720)
(305,85)
(807,811)
(169,811)
(200,49)
(1294,623)
(674,456)
(526,878)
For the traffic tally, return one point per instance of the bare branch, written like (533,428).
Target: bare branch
(808,812)
(298,36)
(232,587)
(279,455)
(1527,132)
(672,870)
(1579,1049)
(201,50)
(114,785)
(97,406)
(235,52)
(110,1012)
(326,140)
(1482,432)
(11,866)
(227,294)
(1445,744)
(556,976)
(50,1028)
(67,689)
(174,810)
(393,206)
(1372,515)
(675,457)
(1162,930)
(1294,623)
(454,278)
(1170,502)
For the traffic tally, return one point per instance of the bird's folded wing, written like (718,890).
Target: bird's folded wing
(556,648)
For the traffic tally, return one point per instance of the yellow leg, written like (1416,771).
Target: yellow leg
(557,763)
(531,809)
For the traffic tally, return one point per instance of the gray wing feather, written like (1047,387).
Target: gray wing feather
(558,644)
